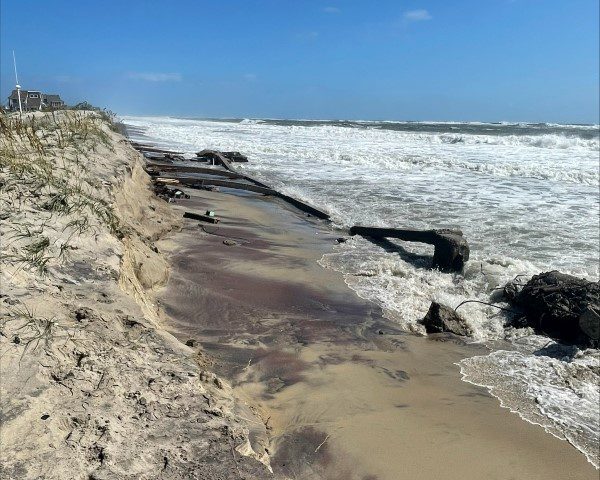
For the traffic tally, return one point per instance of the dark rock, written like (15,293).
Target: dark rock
(441,318)
(235,156)
(562,306)
(510,291)
(589,323)
(82,314)
(191,343)
(341,240)
(451,251)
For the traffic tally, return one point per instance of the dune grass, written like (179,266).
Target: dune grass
(47,197)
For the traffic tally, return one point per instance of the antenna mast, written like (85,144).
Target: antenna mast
(18,87)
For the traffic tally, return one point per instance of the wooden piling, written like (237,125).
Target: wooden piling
(451,248)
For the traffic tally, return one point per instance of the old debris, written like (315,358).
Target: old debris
(563,306)
(451,248)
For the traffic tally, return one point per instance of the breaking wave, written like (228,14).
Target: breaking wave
(540,141)
(560,395)
(526,196)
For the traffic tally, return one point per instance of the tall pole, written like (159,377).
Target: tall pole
(17,86)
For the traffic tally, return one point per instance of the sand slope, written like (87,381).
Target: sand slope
(91,386)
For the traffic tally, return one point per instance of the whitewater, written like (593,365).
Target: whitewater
(525,196)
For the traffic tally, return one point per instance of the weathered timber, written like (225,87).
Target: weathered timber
(235,156)
(303,206)
(200,183)
(215,155)
(167,167)
(168,181)
(202,218)
(451,248)
(230,172)
(149,148)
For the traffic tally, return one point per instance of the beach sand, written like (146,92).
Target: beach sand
(344,394)
(91,385)
(288,373)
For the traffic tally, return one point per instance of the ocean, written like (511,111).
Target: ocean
(525,195)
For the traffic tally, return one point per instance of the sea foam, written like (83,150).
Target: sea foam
(525,195)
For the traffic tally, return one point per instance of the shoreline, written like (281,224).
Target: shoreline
(383,368)
(144,306)
(93,386)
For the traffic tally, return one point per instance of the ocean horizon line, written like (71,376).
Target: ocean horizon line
(348,120)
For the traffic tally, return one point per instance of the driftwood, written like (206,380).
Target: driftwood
(451,248)
(315,212)
(217,156)
(235,156)
(202,218)
(149,148)
(168,181)
(201,183)
(229,172)
(167,167)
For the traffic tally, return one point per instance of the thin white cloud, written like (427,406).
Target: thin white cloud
(307,35)
(331,10)
(417,15)
(155,77)
(251,77)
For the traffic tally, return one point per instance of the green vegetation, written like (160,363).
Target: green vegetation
(47,197)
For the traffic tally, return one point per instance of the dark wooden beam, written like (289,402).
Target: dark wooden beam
(202,218)
(200,182)
(169,167)
(149,148)
(451,248)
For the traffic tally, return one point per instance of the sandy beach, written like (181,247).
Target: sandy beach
(91,385)
(343,392)
(138,345)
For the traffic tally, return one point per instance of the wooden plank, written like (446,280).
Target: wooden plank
(151,149)
(217,157)
(191,182)
(451,248)
(230,172)
(304,206)
(205,171)
(202,218)
(168,181)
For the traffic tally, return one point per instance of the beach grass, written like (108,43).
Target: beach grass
(43,169)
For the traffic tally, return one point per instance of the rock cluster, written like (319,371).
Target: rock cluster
(562,306)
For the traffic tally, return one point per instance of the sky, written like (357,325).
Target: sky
(459,60)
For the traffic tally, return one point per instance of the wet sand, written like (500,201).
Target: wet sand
(344,394)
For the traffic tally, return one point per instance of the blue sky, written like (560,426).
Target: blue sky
(492,60)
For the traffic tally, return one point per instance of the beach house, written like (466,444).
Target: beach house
(33,100)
